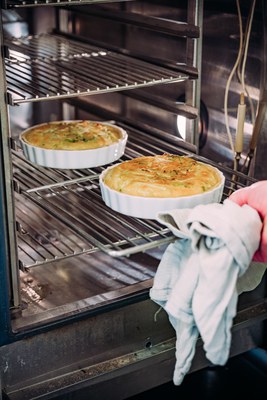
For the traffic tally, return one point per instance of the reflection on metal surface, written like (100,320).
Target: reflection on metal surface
(203,124)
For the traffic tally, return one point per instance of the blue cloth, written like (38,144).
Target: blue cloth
(196,279)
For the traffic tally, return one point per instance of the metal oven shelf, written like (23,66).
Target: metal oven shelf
(34,3)
(48,67)
(60,213)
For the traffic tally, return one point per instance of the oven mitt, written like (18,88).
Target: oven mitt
(196,279)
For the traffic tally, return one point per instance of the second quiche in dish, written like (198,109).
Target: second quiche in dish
(73,144)
(146,185)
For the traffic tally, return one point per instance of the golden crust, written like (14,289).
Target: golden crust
(162,176)
(72,135)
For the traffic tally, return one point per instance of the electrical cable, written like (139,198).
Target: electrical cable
(245,54)
(240,71)
(231,77)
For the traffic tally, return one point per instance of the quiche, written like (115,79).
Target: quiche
(73,144)
(162,176)
(72,135)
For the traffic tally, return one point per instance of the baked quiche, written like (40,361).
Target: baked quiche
(162,176)
(72,135)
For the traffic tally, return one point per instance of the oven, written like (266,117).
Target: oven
(76,319)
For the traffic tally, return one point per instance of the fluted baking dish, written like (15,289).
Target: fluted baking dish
(70,157)
(148,207)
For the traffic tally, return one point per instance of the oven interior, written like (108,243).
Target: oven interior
(130,63)
(146,66)
(73,253)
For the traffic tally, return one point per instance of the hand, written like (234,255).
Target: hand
(256,197)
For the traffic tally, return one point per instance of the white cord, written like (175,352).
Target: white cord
(248,32)
(243,51)
(231,77)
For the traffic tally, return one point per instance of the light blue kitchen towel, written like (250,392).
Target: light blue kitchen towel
(196,279)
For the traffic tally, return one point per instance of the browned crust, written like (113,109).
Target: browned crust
(72,135)
(162,176)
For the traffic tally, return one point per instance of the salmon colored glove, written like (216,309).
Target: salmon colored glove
(256,197)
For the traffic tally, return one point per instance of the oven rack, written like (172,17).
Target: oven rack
(60,213)
(49,67)
(33,3)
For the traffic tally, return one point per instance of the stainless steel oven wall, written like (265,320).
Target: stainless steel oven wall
(220,49)
(141,41)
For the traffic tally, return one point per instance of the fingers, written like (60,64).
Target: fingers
(240,196)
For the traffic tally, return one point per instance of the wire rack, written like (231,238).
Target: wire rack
(60,213)
(35,3)
(48,67)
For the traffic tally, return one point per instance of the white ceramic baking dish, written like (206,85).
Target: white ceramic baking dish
(74,159)
(147,207)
